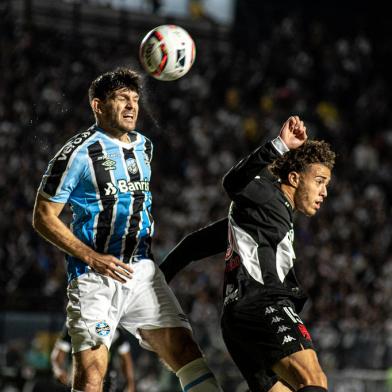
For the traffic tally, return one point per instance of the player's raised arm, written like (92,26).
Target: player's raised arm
(47,223)
(292,135)
(205,242)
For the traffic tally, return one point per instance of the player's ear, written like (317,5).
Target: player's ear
(293,179)
(96,105)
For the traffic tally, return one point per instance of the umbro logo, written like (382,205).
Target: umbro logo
(109,164)
(276,319)
(282,328)
(288,339)
(269,310)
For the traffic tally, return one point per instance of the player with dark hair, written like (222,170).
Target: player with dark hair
(104,174)
(262,298)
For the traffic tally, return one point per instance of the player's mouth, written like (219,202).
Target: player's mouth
(318,204)
(129,116)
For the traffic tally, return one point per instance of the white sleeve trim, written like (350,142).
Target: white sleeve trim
(280,145)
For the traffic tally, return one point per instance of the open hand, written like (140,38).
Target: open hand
(109,265)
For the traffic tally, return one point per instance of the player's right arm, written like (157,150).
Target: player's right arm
(64,173)
(47,223)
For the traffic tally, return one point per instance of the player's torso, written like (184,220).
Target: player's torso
(112,197)
(261,256)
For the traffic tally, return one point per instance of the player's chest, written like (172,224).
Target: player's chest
(119,168)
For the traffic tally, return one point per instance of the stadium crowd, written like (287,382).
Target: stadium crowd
(236,96)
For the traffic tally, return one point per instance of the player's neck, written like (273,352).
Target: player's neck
(288,191)
(122,136)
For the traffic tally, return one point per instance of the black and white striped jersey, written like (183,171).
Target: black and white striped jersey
(107,183)
(260,255)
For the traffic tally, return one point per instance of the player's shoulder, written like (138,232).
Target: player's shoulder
(139,138)
(76,142)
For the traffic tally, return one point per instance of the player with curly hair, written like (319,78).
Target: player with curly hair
(262,297)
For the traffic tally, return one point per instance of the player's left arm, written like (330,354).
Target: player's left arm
(205,242)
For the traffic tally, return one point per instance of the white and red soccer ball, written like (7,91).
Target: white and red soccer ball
(167,52)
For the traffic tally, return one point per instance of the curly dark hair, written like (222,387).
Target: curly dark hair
(312,151)
(108,82)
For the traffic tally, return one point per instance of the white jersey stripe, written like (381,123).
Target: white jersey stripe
(246,247)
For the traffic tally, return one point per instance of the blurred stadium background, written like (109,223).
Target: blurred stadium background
(257,63)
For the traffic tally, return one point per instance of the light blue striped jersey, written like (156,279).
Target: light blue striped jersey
(107,183)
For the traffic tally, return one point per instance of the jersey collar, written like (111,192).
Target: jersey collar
(133,136)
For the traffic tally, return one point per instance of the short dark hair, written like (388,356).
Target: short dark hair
(298,159)
(108,82)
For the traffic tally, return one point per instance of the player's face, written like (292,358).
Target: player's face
(312,188)
(121,109)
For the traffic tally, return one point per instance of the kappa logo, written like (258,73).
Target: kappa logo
(102,328)
(276,319)
(288,339)
(283,328)
(269,310)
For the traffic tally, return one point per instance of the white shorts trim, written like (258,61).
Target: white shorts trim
(97,304)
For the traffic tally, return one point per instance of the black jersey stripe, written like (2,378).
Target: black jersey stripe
(58,165)
(137,207)
(102,177)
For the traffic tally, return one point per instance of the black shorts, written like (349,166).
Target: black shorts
(258,337)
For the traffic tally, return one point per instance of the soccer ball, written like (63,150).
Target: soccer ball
(167,52)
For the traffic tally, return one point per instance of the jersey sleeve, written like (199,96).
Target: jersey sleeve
(63,174)
(202,243)
(240,175)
